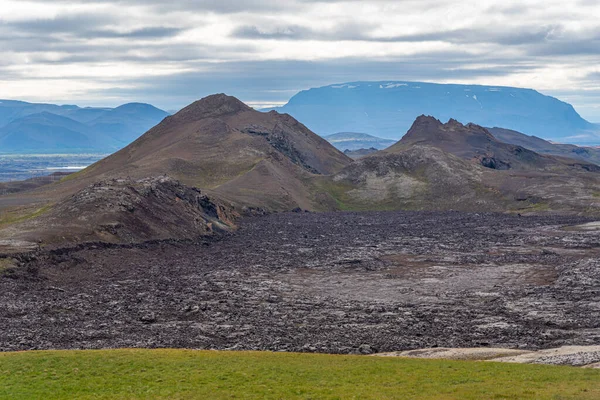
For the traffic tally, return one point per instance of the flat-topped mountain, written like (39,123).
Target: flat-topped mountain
(388,108)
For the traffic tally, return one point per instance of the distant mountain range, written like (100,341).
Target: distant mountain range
(48,128)
(590,154)
(387,109)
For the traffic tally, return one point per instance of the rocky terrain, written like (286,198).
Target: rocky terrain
(124,211)
(329,282)
(476,143)
(578,356)
(241,162)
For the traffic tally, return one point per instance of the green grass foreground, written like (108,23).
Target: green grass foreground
(187,374)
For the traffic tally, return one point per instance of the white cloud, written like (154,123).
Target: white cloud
(113,50)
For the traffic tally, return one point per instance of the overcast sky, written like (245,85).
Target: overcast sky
(169,53)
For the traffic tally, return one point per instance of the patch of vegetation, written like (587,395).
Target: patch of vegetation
(188,374)
(6,264)
(537,207)
(74,175)
(20,215)
(339,192)
(210,175)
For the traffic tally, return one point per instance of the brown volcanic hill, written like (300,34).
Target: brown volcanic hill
(473,142)
(239,157)
(450,167)
(125,211)
(222,145)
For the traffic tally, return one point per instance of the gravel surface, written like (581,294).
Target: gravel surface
(331,282)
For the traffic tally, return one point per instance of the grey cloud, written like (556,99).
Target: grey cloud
(213,6)
(347,30)
(594,76)
(63,24)
(362,32)
(144,33)
(524,46)
(590,47)
(289,32)
(82,27)
(70,52)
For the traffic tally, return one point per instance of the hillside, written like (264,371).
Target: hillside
(27,128)
(11,110)
(130,211)
(355,141)
(387,109)
(473,142)
(452,166)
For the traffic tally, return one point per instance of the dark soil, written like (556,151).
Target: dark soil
(335,282)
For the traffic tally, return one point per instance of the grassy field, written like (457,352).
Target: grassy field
(187,374)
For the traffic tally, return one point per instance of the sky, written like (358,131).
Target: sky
(170,53)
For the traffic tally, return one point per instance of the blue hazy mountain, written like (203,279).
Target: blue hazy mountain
(355,141)
(48,128)
(387,109)
(11,110)
(47,131)
(127,122)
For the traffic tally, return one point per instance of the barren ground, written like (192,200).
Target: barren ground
(332,282)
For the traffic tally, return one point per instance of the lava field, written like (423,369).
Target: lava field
(317,282)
